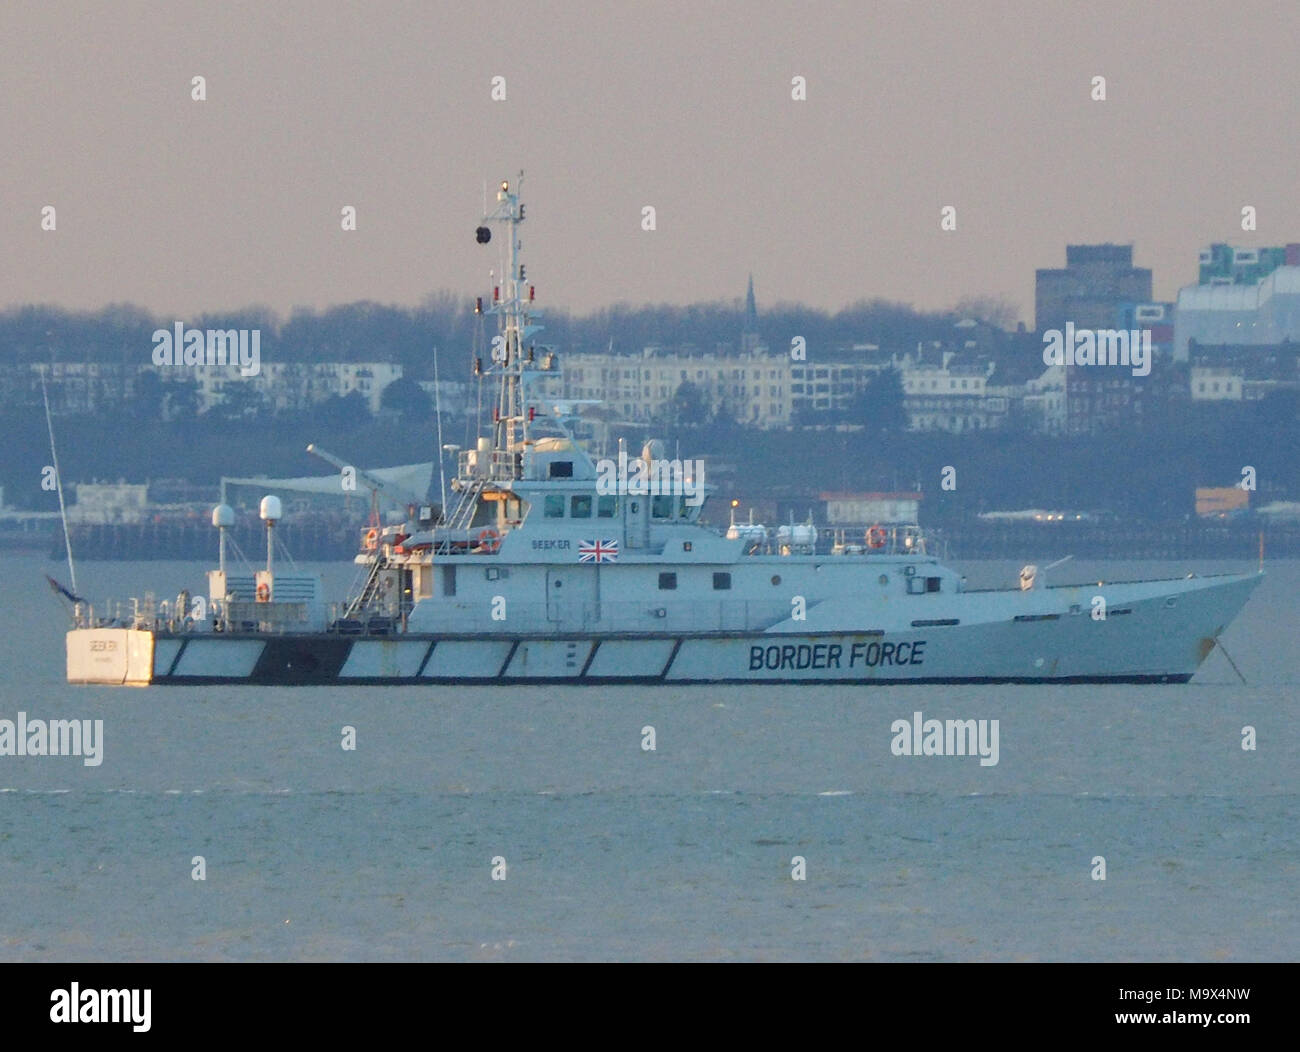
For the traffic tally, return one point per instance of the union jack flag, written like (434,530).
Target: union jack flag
(597,551)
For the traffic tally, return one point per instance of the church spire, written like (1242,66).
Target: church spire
(749,341)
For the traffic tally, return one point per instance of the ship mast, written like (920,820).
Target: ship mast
(511,355)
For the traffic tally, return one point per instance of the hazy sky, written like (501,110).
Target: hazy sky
(183,206)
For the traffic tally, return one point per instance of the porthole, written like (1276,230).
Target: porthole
(776,578)
(884,580)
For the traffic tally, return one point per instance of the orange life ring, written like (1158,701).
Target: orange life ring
(489,540)
(876,537)
(263,593)
(372,539)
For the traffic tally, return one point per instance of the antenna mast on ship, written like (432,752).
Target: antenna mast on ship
(511,355)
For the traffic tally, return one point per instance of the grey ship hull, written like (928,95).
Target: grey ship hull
(1159,632)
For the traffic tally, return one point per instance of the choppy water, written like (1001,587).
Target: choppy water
(685,852)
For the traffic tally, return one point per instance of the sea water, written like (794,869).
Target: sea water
(535,823)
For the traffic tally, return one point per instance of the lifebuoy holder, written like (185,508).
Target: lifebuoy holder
(489,540)
(263,593)
(876,537)
(372,539)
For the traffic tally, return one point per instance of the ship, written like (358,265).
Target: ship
(547,564)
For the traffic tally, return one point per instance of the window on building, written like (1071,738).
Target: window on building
(606,507)
(554,507)
(580,507)
(661,506)
(667,582)
(721,582)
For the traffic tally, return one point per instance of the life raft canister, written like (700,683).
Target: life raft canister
(876,537)
(489,540)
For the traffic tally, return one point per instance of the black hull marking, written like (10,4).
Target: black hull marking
(630,681)
(290,661)
(427,655)
(171,670)
(506,664)
(663,676)
(595,645)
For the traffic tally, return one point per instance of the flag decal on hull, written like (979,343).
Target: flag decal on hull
(598,551)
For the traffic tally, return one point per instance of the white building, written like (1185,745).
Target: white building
(754,389)
(952,395)
(1214,383)
(288,385)
(887,509)
(109,502)
(1044,401)
(1216,314)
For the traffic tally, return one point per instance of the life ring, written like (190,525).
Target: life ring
(263,592)
(876,537)
(489,540)
(372,539)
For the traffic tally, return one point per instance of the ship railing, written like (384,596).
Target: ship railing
(145,613)
(559,616)
(205,615)
(497,465)
(880,540)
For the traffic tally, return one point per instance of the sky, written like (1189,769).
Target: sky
(185,207)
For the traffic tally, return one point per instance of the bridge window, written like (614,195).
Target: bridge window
(606,507)
(667,582)
(661,507)
(580,507)
(554,508)
(561,469)
(721,582)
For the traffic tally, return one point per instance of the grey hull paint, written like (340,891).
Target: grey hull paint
(1151,642)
